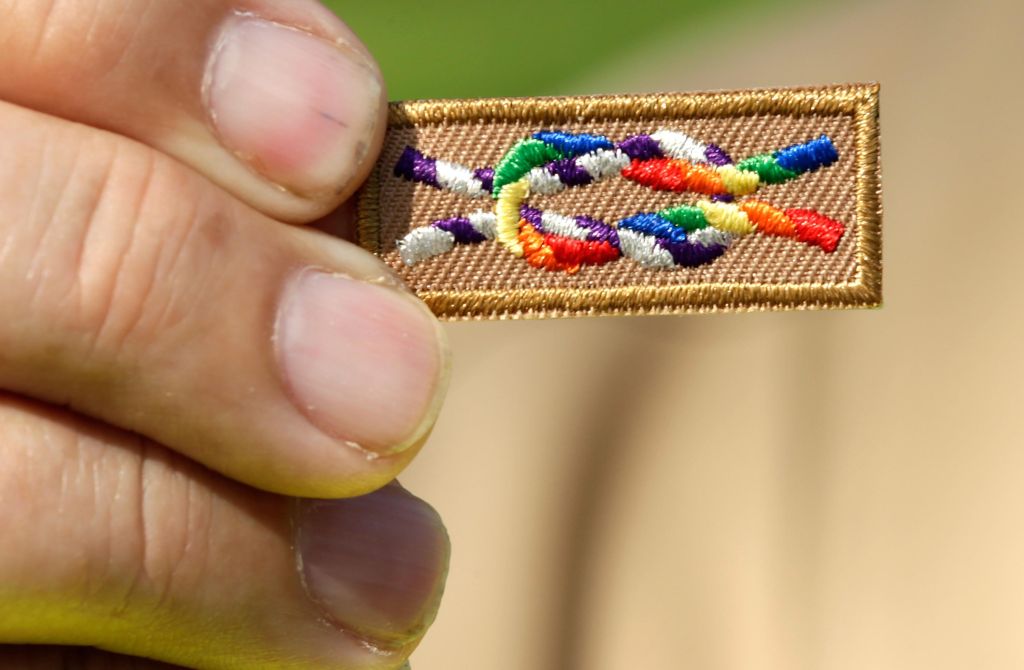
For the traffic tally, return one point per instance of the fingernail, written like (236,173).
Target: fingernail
(365,363)
(376,565)
(297,108)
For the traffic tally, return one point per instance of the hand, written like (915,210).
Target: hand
(179,365)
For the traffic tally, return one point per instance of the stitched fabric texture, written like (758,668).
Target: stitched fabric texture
(667,160)
(475,278)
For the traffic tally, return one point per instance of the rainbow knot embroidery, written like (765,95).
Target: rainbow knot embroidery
(550,162)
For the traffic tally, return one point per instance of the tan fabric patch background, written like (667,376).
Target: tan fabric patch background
(756,260)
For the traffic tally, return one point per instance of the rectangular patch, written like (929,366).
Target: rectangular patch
(647,204)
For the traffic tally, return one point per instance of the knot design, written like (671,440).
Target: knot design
(550,162)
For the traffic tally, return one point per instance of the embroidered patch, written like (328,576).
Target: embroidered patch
(632,204)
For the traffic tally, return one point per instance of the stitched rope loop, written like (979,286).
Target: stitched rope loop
(550,162)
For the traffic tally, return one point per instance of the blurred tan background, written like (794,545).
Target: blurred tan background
(826,491)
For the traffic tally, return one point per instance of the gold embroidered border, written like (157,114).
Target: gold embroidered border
(860,101)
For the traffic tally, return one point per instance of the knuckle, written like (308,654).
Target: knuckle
(41,34)
(15,481)
(133,521)
(117,247)
(170,553)
(114,285)
(149,286)
(54,472)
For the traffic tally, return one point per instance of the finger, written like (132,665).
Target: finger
(278,102)
(72,658)
(127,547)
(136,292)
(76,658)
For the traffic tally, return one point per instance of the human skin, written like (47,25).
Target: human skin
(204,403)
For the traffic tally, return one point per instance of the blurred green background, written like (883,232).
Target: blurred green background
(457,48)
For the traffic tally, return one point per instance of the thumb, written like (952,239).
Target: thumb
(130,548)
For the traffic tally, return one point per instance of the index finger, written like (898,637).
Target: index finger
(277,102)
